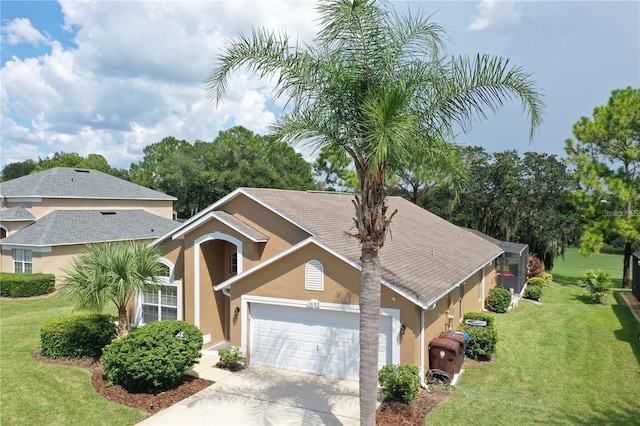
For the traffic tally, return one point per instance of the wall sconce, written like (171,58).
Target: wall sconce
(236,311)
(403,328)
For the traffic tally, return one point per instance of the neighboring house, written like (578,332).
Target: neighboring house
(511,266)
(47,218)
(277,273)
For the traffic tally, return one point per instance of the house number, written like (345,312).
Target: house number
(313,303)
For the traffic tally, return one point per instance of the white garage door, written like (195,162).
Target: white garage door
(311,340)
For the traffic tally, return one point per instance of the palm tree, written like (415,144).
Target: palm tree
(111,272)
(370,81)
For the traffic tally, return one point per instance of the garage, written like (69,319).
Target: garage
(316,341)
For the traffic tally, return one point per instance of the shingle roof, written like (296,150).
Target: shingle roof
(64,227)
(241,227)
(16,214)
(424,255)
(507,246)
(61,182)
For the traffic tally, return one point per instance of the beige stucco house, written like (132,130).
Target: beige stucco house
(49,217)
(276,273)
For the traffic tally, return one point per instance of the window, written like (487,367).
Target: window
(22,261)
(233,263)
(160,304)
(314,276)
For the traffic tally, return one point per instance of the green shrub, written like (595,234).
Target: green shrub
(548,278)
(154,357)
(482,340)
(399,382)
(481,316)
(25,285)
(598,284)
(536,281)
(77,336)
(499,299)
(229,357)
(533,292)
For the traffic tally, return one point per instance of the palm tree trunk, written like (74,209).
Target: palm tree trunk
(123,323)
(369,337)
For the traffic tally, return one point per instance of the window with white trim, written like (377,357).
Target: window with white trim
(314,276)
(22,261)
(160,303)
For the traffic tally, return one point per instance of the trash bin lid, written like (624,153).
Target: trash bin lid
(445,343)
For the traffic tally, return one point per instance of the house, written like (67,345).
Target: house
(511,266)
(277,273)
(48,217)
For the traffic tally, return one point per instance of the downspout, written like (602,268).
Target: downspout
(431,307)
(482,301)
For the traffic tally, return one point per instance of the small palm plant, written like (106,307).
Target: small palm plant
(112,272)
(597,283)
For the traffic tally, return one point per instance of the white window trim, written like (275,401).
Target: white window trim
(22,262)
(162,281)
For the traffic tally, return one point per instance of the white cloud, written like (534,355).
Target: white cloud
(135,76)
(20,30)
(496,13)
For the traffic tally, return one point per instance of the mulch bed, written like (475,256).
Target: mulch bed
(143,401)
(398,413)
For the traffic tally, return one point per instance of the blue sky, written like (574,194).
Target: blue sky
(111,77)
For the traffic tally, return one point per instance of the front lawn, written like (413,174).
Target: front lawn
(564,361)
(38,393)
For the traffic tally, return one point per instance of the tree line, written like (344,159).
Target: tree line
(588,199)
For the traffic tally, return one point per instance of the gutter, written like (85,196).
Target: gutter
(431,307)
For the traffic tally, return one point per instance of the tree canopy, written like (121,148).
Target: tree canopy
(201,173)
(606,161)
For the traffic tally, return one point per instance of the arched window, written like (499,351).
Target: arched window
(314,276)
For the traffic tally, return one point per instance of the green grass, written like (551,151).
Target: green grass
(573,266)
(564,362)
(38,393)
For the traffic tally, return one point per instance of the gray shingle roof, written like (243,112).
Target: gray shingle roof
(64,227)
(16,214)
(507,246)
(242,227)
(61,182)
(424,255)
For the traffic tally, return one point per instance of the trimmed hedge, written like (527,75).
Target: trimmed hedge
(482,340)
(154,357)
(533,292)
(399,382)
(77,336)
(25,285)
(499,300)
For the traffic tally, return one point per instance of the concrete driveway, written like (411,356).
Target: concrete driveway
(266,396)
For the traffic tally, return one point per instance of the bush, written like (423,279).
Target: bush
(25,285)
(598,284)
(534,267)
(399,382)
(482,340)
(548,278)
(229,357)
(77,336)
(499,299)
(533,292)
(154,357)
(536,281)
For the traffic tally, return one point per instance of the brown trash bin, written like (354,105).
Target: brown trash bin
(462,342)
(442,355)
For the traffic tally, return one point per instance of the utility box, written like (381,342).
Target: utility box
(443,353)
